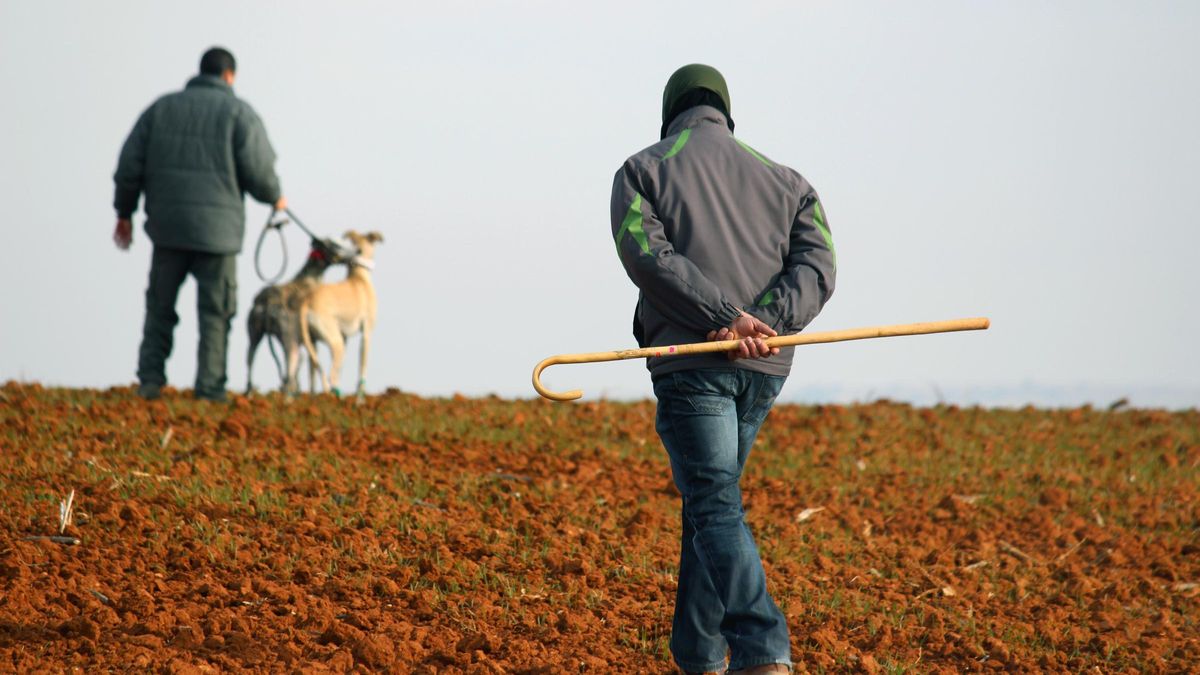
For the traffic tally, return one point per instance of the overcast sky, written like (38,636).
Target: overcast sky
(1034,162)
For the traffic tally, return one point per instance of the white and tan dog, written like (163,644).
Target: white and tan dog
(334,312)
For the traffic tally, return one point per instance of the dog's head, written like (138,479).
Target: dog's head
(365,243)
(327,253)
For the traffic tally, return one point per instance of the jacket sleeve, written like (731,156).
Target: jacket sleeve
(810,269)
(255,158)
(131,168)
(667,280)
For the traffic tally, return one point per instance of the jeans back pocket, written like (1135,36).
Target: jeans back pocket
(768,388)
(709,392)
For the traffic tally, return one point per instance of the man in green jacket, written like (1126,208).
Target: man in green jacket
(722,243)
(194,153)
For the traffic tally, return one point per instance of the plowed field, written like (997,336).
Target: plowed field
(484,535)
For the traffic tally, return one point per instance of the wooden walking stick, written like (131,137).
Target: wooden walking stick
(980,323)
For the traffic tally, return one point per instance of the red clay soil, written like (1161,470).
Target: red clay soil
(490,536)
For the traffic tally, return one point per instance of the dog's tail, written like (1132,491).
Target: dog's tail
(308,343)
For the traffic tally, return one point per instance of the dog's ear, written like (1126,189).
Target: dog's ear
(375,237)
(351,235)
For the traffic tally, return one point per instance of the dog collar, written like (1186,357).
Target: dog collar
(365,263)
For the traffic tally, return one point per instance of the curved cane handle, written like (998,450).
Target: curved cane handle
(552,395)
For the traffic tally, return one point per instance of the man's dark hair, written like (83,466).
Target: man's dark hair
(691,99)
(216,61)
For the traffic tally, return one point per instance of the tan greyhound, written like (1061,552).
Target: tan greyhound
(336,311)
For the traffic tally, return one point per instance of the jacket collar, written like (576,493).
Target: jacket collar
(693,117)
(209,82)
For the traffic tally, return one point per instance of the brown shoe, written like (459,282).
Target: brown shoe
(764,669)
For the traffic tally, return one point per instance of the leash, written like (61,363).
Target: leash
(277,226)
(298,222)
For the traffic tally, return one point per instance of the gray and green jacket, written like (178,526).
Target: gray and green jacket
(195,153)
(706,226)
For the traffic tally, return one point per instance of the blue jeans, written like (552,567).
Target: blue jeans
(708,419)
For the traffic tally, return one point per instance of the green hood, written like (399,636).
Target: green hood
(688,78)
(681,91)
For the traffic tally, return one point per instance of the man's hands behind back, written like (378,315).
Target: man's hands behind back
(752,333)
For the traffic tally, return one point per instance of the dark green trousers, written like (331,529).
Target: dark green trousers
(216,302)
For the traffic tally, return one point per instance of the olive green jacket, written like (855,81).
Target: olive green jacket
(195,153)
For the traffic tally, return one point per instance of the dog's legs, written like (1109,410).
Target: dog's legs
(307,338)
(291,383)
(306,334)
(362,363)
(337,351)
(289,339)
(312,376)
(256,327)
(255,338)
(280,367)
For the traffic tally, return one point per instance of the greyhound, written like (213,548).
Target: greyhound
(333,312)
(276,311)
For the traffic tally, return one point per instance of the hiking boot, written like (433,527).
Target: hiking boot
(149,391)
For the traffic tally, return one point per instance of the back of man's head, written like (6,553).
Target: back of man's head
(693,85)
(217,61)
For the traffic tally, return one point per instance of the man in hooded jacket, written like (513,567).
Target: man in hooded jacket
(194,153)
(722,243)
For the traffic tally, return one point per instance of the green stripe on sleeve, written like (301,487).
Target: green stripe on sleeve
(633,225)
(767,298)
(679,143)
(819,221)
(752,151)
